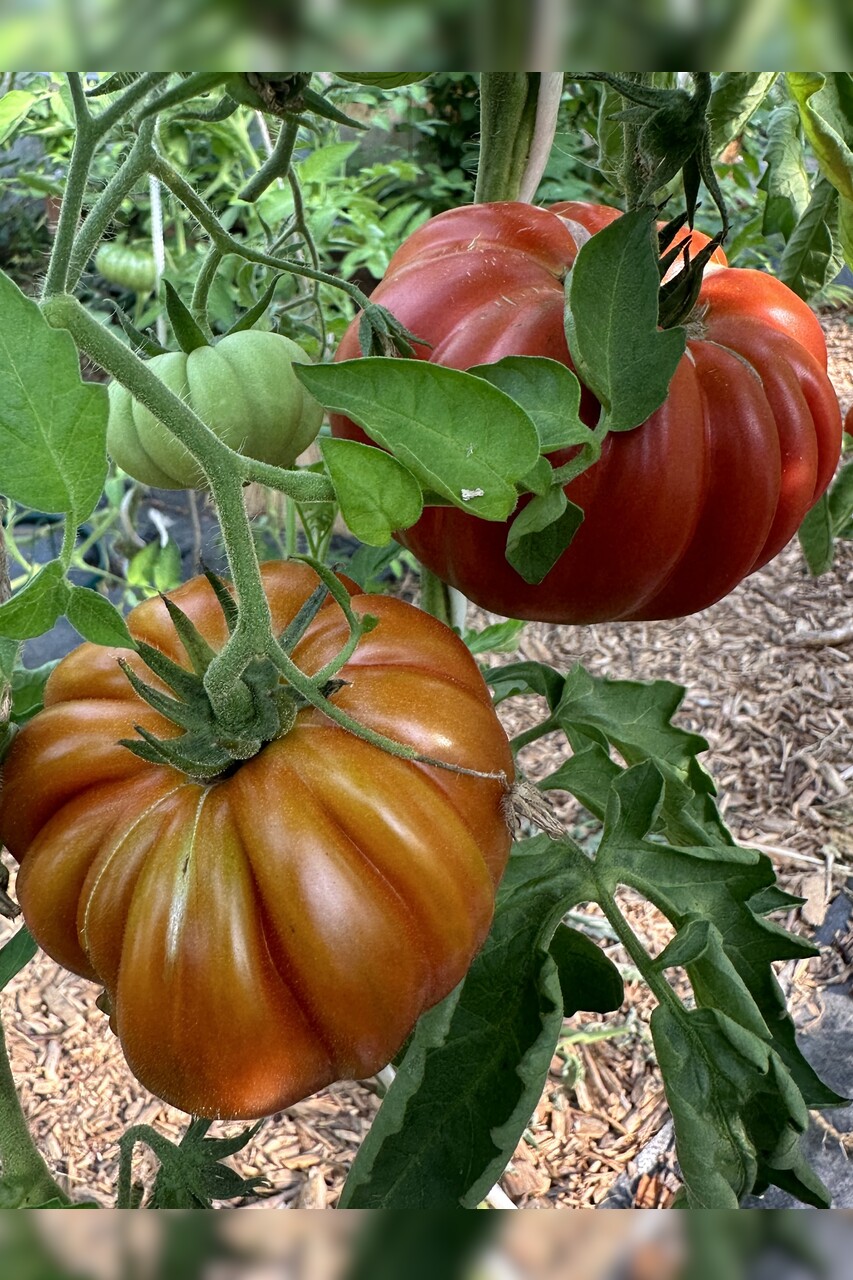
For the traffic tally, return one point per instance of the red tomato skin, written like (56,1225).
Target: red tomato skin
(285,926)
(677,511)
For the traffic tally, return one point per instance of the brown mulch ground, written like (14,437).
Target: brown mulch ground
(769,674)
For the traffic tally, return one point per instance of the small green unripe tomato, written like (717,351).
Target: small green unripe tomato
(243,388)
(127,265)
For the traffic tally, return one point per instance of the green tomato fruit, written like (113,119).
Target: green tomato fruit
(243,388)
(127,265)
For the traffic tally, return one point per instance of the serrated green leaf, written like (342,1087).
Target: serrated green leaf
(548,392)
(97,619)
(37,607)
(526,677)
(815,535)
(589,980)
(541,532)
(735,97)
(786,179)
(459,436)
(476,1063)
(376,493)
(612,321)
(825,100)
(53,425)
(812,257)
(16,953)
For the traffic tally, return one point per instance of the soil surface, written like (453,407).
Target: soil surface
(769,679)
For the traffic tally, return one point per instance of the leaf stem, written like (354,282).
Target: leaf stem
(641,959)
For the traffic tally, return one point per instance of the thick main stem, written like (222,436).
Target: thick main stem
(507,121)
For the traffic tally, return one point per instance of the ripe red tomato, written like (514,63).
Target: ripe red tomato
(678,511)
(284,926)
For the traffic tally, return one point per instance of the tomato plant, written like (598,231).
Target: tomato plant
(277,819)
(676,512)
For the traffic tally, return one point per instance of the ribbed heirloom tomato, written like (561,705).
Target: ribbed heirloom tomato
(677,511)
(283,926)
(243,388)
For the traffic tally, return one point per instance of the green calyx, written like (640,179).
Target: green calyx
(264,707)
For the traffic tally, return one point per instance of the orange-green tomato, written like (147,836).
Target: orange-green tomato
(243,388)
(284,927)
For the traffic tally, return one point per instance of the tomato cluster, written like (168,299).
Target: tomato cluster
(282,927)
(677,511)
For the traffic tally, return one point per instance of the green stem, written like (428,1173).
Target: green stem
(201,291)
(86,137)
(507,121)
(641,959)
(633,175)
(21,1164)
(226,243)
(435,596)
(305,685)
(134,167)
(276,166)
(127,100)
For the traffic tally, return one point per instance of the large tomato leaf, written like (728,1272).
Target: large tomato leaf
(663,836)
(53,426)
(541,532)
(735,97)
(786,180)
(812,256)
(547,391)
(825,100)
(461,437)
(612,296)
(477,1062)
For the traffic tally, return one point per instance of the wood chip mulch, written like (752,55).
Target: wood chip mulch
(769,675)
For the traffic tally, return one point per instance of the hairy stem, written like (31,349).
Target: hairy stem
(507,122)
(651,975)
(98,219)
(86,137)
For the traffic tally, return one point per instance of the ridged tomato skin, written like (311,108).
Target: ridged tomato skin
(677,511)
(283,927)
